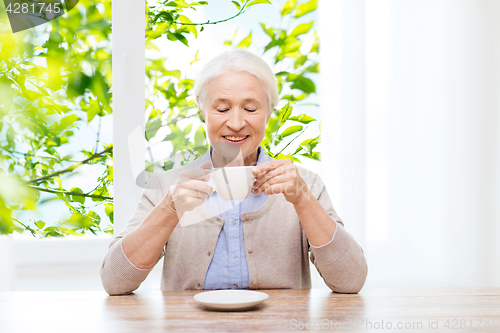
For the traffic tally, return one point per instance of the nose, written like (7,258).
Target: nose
(236,120)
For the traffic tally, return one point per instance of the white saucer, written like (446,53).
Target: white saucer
(231,299)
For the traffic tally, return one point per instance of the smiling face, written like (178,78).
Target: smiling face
(236,110)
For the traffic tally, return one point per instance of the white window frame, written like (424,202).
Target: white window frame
(128,114)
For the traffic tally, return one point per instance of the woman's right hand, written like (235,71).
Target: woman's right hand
(190,190)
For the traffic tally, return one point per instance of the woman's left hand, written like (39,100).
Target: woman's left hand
(280,176)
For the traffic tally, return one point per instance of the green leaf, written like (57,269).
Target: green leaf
(291,130)
(95,217)
(300,61)
(245,42)
(237,4)
(77,83)
(102,191)
(188,128)
(77,198)
(308,145)
(301,29)
(180,4)
(40,224)
(158,31)
(303,118)
(288,7)
(6,225)
(152,127)
(66,122)
(315,156)
(294,98)
(199,137)
(273,125)
(286,111)
(302,83)
(306,8)
(267,30)
(191,28)
(79,220)
(6,94)
(109,210)
(256,2)
(174,73)
(99,88)
(173,36)
(58,180)
(10,137)
(195,58)
(166,15)
(93,110)
(315,46)
(281,156)
(312,69)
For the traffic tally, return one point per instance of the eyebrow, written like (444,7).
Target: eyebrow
(251,99)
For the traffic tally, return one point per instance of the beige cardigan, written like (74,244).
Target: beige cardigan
(276,246)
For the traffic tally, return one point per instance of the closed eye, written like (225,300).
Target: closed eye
(249,110)
(223,110)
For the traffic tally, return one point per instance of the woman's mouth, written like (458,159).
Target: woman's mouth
(235,139)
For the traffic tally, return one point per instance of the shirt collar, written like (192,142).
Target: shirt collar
(261,158)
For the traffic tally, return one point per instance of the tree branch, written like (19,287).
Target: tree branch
(71,168)
(290,142)
(76,194)
(242,10)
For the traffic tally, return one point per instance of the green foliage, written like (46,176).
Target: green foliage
(168,19)
(53,84)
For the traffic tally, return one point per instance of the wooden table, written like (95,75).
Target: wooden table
(395,310)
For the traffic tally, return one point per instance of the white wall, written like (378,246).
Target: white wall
(431,142)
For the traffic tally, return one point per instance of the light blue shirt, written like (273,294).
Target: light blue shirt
(228,268)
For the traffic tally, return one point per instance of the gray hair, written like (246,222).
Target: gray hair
(240,61)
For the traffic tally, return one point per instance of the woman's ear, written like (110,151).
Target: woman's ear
(199,109)
(269,114)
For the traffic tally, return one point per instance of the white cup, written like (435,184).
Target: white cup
(233,183)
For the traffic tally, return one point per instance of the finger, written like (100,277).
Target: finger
(207,165)
(197,173)
(271,165)
(275,189)
(270,174)
(277,180)
(187,199)
(198,194)
(198,185)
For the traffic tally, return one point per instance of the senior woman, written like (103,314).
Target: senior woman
(261,242)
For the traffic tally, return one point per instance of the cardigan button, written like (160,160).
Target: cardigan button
(250,251)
